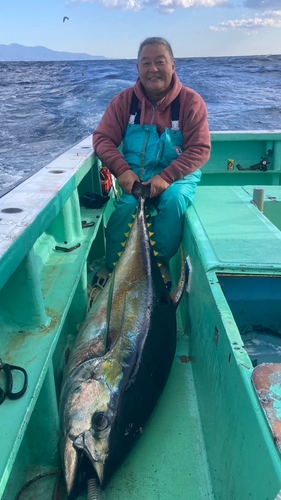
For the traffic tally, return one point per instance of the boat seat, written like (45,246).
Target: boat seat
(234,234)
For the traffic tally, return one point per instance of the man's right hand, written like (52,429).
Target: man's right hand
(127,180)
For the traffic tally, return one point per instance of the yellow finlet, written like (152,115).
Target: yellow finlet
(151,234)
(115,263)
(127,234)
(155,253)
(110,274)
(149,224)
(123,244)
(119,254)
(159,264)
(134,216)
(147,216)
(152,242)
(130,225)
(163,276)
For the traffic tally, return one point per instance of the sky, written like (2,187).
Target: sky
(115,28)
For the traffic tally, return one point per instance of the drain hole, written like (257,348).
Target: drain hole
(56,171)
(11,210)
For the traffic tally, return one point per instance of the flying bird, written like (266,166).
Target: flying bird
(64,19)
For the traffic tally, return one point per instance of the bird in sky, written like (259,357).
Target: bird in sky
(65,18)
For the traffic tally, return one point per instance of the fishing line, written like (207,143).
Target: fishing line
(29,483)
(56,494)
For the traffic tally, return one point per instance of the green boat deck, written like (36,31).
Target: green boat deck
(209,436)
(234,234)
(153,469)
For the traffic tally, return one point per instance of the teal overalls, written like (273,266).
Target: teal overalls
(148,155)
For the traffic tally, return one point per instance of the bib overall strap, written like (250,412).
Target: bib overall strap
(175,113)
(135,112)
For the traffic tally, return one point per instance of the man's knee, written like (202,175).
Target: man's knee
(178,196)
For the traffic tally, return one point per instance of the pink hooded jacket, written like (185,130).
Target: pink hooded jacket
(193,124)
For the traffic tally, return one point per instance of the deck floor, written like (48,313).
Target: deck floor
(169,461)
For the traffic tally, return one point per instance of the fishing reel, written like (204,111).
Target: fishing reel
(262,165)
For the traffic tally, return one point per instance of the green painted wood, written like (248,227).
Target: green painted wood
(245,136)
(246,149)
(22,299)
(208,437)
(243,460)
(236,178)
(33,349)
(234,233)
(26,233)
(170,460)
(272,205)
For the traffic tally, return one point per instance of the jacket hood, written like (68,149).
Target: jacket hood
(165,102)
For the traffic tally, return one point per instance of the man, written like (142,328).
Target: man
(164,129)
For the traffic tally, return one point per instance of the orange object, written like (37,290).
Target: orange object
(106,181)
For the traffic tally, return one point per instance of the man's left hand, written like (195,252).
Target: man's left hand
(157,186)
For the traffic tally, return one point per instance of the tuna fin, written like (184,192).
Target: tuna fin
(70,460)
(178,292)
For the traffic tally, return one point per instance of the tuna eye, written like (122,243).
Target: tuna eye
(100,422)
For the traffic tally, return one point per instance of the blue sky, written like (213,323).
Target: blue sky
(114,28)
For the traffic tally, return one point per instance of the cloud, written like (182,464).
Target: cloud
(163,6)
(254,24)
(111,4)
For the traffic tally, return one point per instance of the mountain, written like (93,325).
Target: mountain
(16,52)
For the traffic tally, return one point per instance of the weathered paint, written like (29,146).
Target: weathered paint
(267,382)
(209,437)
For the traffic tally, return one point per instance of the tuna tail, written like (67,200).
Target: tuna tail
(139,190)
(178,292)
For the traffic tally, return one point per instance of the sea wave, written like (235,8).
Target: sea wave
(46,107)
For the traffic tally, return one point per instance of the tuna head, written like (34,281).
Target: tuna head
(87,413)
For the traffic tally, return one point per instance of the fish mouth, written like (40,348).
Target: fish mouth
(82,443)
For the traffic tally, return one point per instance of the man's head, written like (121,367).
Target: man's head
(156,66)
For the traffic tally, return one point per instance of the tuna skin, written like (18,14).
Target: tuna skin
(116,374)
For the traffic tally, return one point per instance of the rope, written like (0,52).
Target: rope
(29,483)
(93,292)
(94,491)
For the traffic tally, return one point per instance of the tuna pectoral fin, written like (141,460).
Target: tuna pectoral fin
(178,292)
(70,464)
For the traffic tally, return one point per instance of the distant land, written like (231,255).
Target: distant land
(16,52)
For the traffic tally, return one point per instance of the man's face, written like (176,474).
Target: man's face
(156,68)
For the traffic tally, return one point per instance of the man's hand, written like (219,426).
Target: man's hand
(157,186)
(127,180)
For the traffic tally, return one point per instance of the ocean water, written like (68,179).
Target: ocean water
(46,107)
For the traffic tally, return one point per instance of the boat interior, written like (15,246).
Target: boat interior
(216,430)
